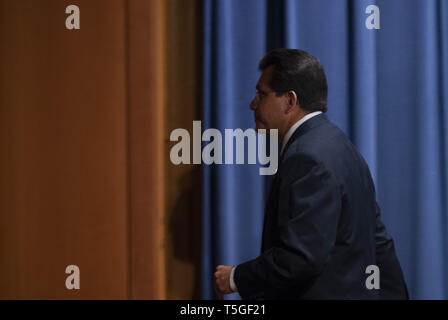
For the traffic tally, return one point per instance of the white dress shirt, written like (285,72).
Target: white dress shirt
(286,138)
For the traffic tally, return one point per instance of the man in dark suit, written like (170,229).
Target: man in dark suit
(322,226)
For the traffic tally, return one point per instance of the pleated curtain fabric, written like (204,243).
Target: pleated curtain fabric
(86,178)
(146,123)
(63,150)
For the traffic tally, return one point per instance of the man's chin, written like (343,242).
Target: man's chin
(259,125)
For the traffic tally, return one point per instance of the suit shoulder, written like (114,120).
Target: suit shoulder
(320,141)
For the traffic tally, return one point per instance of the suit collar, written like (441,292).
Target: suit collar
(305,127)
(295,126)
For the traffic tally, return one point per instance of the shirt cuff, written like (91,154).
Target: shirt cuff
(232,282)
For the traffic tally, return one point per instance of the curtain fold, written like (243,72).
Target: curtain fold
(146,156)
(233,199)
(183,182)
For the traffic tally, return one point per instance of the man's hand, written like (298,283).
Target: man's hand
(222,279)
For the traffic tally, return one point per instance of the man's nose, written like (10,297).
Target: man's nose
(253,104)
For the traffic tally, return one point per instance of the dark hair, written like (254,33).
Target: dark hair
(301,72)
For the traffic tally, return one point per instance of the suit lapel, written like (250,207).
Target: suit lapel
(267,224)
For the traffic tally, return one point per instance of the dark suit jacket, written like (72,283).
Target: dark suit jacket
(322,225)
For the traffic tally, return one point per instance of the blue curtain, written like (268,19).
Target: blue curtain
(388,91)
(233,194)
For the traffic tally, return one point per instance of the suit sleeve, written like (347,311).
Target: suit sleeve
(392,283)
(307,228)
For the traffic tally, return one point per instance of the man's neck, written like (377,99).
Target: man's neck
(291,122)
(295,126)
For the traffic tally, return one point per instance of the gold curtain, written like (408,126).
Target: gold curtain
(63,146)
(85,117)
(183,182)
(147,66)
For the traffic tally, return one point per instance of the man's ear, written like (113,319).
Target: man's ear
(291,100)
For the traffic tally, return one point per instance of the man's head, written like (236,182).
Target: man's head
(291,85)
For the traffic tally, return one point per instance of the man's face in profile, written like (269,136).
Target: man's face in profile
(268,108)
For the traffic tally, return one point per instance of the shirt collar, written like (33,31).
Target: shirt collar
(295,126)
